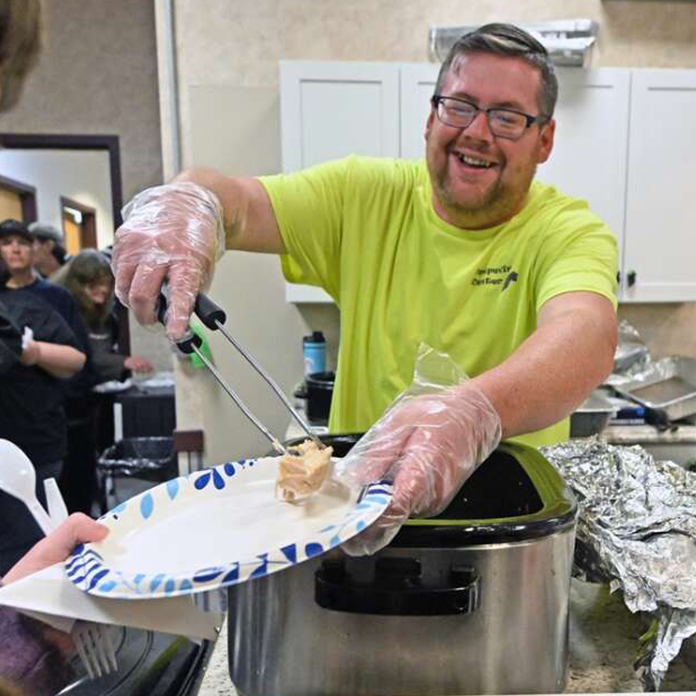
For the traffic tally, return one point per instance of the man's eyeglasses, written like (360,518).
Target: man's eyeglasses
(504,123)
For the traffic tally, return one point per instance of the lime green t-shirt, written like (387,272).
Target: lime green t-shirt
(365,230)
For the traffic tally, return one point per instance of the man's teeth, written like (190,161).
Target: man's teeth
(472,161)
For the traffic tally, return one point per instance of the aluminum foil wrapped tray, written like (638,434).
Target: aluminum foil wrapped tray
(637,531)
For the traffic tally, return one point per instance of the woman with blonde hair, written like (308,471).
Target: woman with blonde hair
(87,276)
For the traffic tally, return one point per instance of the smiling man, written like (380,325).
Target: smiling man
(464,251)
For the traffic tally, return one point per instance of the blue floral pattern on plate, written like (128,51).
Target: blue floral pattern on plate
(93,569)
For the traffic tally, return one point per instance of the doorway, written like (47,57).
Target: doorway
(38,152)
(79,226)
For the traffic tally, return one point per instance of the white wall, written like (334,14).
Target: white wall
(81,175)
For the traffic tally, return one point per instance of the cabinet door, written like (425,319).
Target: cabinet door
(661,196)
(417,87)
(330,110)
(591,141)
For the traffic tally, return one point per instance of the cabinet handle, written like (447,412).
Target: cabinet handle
(631,278)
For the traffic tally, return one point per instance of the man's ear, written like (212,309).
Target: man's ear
(429,122)
(546,136)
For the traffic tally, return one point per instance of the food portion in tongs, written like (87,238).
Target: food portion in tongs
(303,470)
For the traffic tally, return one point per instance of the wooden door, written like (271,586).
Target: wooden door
(17,200)
(10,205)
(79,225)
(73,235)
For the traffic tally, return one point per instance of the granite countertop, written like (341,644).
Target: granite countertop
(633,434)
(603,643)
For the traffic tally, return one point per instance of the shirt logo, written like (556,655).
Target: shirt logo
(511,278)
(496,276)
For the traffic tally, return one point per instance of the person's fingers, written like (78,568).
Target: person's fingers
(58,545)
(185,279)
(373,457)
(77,529)
(144,292)
(378,534)
(428,476)
(124,265)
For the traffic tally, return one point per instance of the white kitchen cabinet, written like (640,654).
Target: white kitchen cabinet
(591,141)
(330,110)
(417,87)
(624,142)
(661,194)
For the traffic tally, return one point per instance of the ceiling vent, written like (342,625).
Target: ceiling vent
(569,42)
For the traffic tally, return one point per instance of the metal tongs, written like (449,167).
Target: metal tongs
(213,318)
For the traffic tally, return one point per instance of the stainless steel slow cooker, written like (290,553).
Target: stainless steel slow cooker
(474,601)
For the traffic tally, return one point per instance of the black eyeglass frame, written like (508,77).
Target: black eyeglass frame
(437,99)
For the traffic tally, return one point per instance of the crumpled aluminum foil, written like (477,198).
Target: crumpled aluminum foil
(637,531)
(652,370)
(632,355)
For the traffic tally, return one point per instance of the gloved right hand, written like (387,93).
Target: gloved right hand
(175,233)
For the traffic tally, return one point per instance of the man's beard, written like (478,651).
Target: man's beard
(498,204)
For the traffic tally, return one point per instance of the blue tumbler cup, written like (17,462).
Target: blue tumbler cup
(314,352)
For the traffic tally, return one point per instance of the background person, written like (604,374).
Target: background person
(89,279)
(464,251)
(33,393)
(49,249)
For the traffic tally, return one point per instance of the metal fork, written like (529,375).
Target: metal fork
(95,648)
(92,640)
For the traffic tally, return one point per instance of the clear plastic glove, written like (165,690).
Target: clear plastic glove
(175,233)
(429,441)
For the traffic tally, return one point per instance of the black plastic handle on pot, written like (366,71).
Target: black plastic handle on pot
(396,590)
(205,309)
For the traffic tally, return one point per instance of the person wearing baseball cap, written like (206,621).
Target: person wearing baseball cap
(15,228)
(49,250)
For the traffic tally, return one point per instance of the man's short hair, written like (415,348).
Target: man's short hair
(507,40)
(43,232)
(20,41)
(10,228)
(59,253)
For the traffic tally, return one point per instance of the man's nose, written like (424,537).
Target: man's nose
(479,128)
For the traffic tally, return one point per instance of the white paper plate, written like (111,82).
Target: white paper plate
(214,528)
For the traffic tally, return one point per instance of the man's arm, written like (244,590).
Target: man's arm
(555,369)
(250,223)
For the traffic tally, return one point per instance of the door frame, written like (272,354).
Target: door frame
(110,143)
(27,197)
(49,141)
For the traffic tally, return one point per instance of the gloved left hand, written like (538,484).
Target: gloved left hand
(429,444)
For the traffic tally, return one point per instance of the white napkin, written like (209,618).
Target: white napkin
(51,597)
